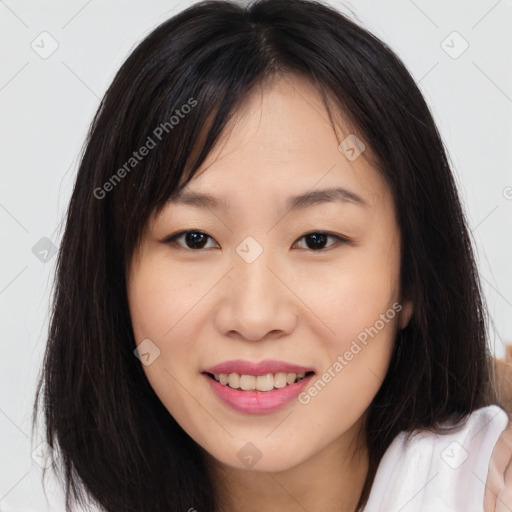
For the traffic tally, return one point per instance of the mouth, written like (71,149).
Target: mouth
(261,383)
(257,387)
(257,394)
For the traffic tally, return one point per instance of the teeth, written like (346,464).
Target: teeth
(260,382)
(234,380)
(247,382)
(290,378)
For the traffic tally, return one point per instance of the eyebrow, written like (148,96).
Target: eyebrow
(297,202)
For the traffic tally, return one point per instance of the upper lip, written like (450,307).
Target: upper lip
(262,368)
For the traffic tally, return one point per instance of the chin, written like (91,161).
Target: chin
(259,456)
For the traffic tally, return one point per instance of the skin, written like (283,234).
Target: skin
(498,487)
(293,303)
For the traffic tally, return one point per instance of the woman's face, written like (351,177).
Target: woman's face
(247,284)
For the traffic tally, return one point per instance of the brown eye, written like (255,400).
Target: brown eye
(194,240)
(316,240)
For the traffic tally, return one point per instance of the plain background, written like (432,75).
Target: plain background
(47,104)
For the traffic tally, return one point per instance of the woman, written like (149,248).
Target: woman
(266,294)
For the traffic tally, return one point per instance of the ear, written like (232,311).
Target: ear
(405,314)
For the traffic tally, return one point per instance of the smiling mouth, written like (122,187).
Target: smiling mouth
(264,383)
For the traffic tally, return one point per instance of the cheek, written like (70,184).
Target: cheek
(161,307)
(360,305)
(355,295)
(158,299)
(362,313)
(158,315)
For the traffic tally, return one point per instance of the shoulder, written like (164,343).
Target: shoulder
(498,488)
(448,469)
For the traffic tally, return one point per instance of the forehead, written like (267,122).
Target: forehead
(281,142)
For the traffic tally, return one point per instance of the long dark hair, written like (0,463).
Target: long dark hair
(176,93)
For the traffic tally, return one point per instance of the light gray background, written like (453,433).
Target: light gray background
(46,106)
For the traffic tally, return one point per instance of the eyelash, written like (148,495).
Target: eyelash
(172,239)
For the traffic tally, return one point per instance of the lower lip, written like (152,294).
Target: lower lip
(257,402)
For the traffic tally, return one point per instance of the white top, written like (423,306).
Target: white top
(438,472)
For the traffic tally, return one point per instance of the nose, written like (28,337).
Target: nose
(256,302)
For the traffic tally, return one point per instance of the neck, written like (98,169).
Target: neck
(331,480)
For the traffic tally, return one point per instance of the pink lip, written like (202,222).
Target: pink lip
(257,402)
(262,368)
